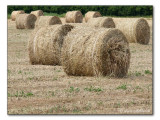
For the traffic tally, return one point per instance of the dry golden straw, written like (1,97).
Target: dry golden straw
(136,30)
(92,52)
(45,44)
(15,13)
(105,22)
(37,13)
(74,17)
(47,20)
(25,21)
(92,14)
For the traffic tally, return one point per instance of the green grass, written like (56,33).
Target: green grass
(76,110)
(58,71)
(147,72)
(9,16)
(123,87)
(138,73)
(30,78)
(29,94)
(19,72)
(137,88)
(117,105)
(63,15)
(73,89)
(20,94)
(52,93)
(55,78)
(93,89)
(54,14)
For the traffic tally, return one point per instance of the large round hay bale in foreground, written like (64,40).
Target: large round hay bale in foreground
(15,13)
(92,14)
(74,17)
(95,52)
(37,13)
(45,44)
(47,20)
(105,22)
(136,30)
(25,21)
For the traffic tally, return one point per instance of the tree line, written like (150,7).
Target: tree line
(104,10)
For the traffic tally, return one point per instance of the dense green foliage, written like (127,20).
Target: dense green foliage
(104,10)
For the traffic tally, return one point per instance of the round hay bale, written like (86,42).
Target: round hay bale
(93,52)
(25,21)
(136,30)
(74,17)
(37,13)
(45,44)
(47,20)
(92,14)
(105,22)
(15,13)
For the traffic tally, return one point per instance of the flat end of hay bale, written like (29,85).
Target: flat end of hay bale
(136,30)
(117,51)
(94,52)
(142,31)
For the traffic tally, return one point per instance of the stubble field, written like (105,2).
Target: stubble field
(42,89)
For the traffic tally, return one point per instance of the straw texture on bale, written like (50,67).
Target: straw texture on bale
(15,13)
(105,22)
(25,21)
(74,17)
(92,14)
(37,13)
(136,30)
(47,20)
(93,52)
(45,44)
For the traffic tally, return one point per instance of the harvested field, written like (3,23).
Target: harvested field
(45,89)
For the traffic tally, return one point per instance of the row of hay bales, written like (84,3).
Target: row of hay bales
(98,47)
(136,30)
